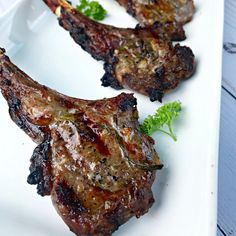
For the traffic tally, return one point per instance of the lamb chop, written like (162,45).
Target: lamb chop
(138,59)
(91,156)
(171,14)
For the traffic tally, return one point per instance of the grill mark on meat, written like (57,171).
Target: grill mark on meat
(36,132)
(95,136)
(67,197)
(131,56)
(92,191)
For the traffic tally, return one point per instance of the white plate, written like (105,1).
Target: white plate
(185,190)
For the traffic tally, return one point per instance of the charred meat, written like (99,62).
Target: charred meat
(138,59)
(91,157)
(171,14)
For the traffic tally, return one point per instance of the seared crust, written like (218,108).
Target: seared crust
(91,157)
(172,30)
(133,57)
(147,12)
(173,12)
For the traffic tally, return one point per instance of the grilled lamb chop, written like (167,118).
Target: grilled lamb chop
(137,59)
(170,15)
(91,157)
(147,12)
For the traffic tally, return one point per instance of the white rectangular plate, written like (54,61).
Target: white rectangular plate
(185,190)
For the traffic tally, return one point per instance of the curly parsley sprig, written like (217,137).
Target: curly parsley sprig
(162,120)
(91,9)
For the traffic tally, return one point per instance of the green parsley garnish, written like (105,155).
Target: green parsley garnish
(162,120)
(91,9)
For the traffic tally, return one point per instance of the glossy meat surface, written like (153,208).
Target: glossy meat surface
(139,59)
(91,157)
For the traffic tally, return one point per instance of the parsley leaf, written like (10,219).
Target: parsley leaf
(91,9)
(162,120)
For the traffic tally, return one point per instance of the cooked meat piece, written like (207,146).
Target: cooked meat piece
(172,30)
(171,15)
(91,157)
(137,59)
(147,12)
